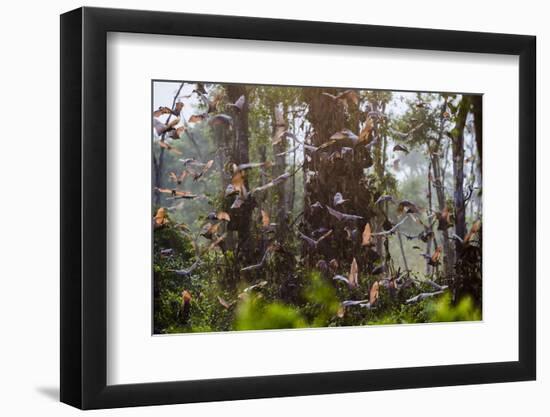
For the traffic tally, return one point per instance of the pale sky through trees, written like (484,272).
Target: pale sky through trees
(164,92)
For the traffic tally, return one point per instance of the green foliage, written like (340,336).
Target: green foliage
(256,314)
(402,314)
(322,302)
(444,310)
(318,304)
(206,314)
(321,305)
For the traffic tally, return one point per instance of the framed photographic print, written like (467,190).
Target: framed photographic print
(257,208)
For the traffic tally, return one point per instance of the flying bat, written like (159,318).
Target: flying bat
(280,134)
(385,198)
(311,148)
(272,183)
(224,303)
(433,259)
(407,207)
(176,111)
(161,110)
(177,194)
(350,303)
(259,265)
(197,118)
(211,105)
(205,168)
(352,278)
(379,270)
(316,205)
(177,179)
(168,147)
(221,119)
(160,218)
(312,242)
(238,105)
(345,134)
(187,271)
(341,278)
(338,199)
(404,135)
(343,216)
(401,148)
(344,97)
(249,165)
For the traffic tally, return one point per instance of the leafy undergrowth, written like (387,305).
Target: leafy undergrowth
(216,306)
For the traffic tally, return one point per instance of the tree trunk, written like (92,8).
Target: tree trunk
(458,171)
(331,170)
(241,217)
(222,139)
(379,160)
(157,177)
(448,256)
(439,179)
(477,109)
(278,169)
(468,280)
(430,211)
(402,251)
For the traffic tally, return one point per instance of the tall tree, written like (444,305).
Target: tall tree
(278,116)
(458,169)
(439,179)
(335,168)
(477,109)
(241,217)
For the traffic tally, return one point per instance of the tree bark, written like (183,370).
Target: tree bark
(241,217)
(458,171)
(477,109)
(335,171)
(430,211)
(278,169)
(439,178)
(402,251)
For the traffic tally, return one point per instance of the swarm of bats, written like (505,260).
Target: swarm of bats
(339,144)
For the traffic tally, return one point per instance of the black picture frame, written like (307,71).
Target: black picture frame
(84,207)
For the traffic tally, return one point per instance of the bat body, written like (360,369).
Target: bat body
(177,194)
(312,242)
(385,198)
(221,119)
(344,98)
(272,183)
(239,104)
(407,207)
(341,278)
(338,199)
(187,271)
(316,205)
(343,216)
(401,148)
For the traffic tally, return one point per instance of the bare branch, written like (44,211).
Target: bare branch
(467,197)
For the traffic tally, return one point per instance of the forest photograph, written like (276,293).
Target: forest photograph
(285,207)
